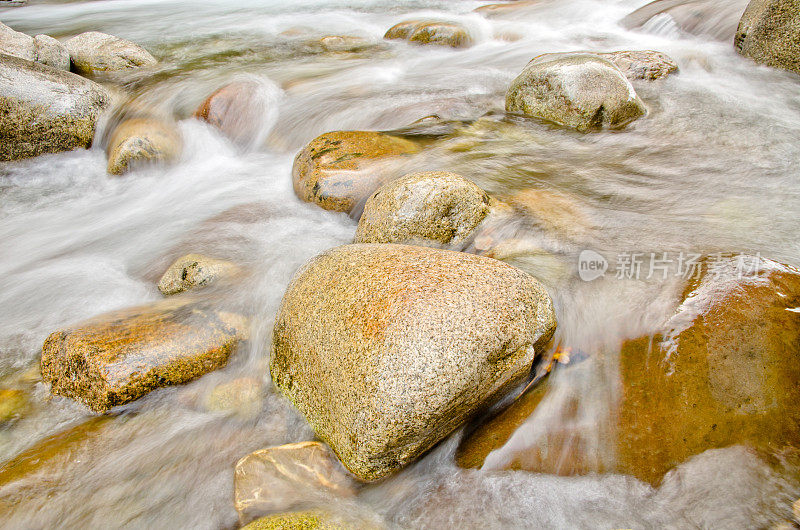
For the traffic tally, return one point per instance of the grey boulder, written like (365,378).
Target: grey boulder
(769,33)
(94,52)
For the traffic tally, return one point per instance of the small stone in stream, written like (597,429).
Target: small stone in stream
(120,356)
(386,349)
(281,478)
(336,170)
(553,211)
(242,396)
(510,9)
(13,404)
(239,110)
(309,520)
(44,110)
(430,208)
(192,271)
(431,32)
(648,65)
(142,141)
(769,33)
(578,90)
(94,52)
(343,43)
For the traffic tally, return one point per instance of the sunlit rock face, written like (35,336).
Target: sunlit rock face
(722,371)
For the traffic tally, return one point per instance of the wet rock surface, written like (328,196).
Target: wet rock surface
(411,341)
(578,90)
(194,270)
(430,208)
(333,170)
(238,111)
(707,18)
(647,65)
(41,48)
(140,142)
(431,32)
(279,479)
(769,33)
(94,53)
(118,357)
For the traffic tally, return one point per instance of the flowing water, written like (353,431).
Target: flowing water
(712,168)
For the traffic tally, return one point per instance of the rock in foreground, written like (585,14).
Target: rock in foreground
(430,208)
(578,90)
(769,33)
(94,52)
(386,349)
(118,357)
(333,170)
(431,32)
(44,110)
(282,478)
(142,141)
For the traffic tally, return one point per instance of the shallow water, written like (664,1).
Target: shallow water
(711,169)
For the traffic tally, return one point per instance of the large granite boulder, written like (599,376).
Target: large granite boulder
(769,33)
(386,349)
(722,371)
(143,141)
(431,32)
(44,110)
(120,356)
(431,208)
(579,90)
(708,18)
(337,170)
(41,48)
(95,53)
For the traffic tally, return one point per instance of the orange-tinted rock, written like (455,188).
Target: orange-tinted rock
(118,357)
(333,170)
(238,110)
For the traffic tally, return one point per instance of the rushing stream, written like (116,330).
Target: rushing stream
(711,169)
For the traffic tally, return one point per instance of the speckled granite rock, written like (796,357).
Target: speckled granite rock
(194,270)
(141,141)
(578,90)
(333,171)
(51,52)
(281,478)
(120,356)
(310,520)
(238,111)
(769,33)
(41,48)
(386,348)
(430,208)
(44,110)
(642,64)
(94,52)
(431,32)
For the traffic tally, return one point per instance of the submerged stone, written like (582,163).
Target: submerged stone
(13,404)
(578,90)
(120,356)
(648,65)
(44,110)
(238,110)
(333,170)
(386,349)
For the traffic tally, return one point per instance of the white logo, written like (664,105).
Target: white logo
(591,265)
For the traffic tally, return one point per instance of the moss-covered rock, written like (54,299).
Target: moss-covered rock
(386,349)
(192,271)
(44,110)
(431,208)
(722,371)
(95,53)
(648,65)
(281,478)
(431,32)
(769,33)
(120,356)
(578,90)
(333,170)
(142,141)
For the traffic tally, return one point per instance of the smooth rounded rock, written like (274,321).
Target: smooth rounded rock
(386,349)
(44,110)
(431,32)
(239,110)
(578,90)
(769,33)
(120,356)
(94,52)
(429,208)
(192,271)
(142,141)
(337,170)
(647,65)
(51,52)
